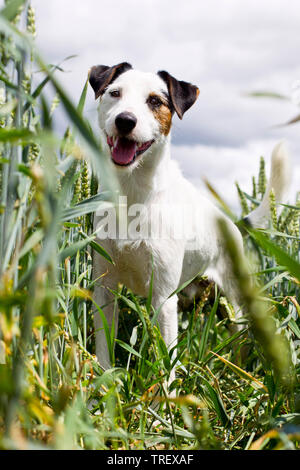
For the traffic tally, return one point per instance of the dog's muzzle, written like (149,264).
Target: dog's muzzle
(124,149)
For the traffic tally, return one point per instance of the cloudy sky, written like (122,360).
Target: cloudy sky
(227,48)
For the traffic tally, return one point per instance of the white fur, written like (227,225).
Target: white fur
(155,179)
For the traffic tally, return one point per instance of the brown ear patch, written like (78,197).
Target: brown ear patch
(164,117)
(161,112)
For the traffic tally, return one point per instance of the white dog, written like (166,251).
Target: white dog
(135,115)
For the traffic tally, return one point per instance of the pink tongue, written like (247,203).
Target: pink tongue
(124,151)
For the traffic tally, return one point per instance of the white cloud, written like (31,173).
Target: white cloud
(223,166)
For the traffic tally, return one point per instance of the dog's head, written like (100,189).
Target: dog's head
(137,108)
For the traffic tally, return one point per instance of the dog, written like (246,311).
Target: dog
(135,119)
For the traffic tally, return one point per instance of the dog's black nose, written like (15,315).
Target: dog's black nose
(125,122)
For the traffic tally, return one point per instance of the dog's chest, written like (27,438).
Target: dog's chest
(133,263)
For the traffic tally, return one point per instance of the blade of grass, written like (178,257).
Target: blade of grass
(241,373)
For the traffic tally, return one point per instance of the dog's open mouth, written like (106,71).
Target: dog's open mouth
(124,151)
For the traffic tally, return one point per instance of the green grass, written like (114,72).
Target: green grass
(53,392)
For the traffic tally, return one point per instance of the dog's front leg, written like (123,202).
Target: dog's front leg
(168,324)
(105,305)
(104,345)
(167,274)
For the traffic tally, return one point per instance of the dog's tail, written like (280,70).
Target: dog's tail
(279,181)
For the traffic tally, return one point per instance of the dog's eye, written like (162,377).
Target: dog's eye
(154,101)
(115,93)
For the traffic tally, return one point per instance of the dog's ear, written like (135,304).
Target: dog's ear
(102,75)
(182,94)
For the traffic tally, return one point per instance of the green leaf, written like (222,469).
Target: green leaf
(274,281)
(294,327)
(281,256)
(224,344)
(218,404)
(128,348)
(14,135)
(275,233)
(129,302)
(31,242)
(220,200)
(83,209)
(296,208)
(109,339)
(208,325)
(10,11)
(267,94)
(74,248)
(82,98)
(242,373)
(98,248)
